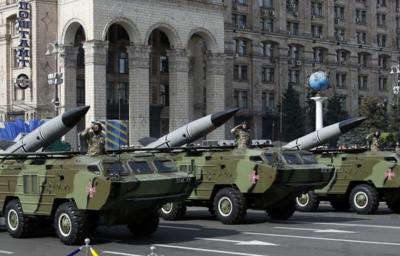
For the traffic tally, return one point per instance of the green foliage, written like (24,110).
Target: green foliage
(376,113)
(293,116)
(356,137)
(394,118)
(334,111)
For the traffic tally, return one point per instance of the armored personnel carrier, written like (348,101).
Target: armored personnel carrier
(362,179)
(230,181)
(78,192)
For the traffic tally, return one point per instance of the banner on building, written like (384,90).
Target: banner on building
(23,26)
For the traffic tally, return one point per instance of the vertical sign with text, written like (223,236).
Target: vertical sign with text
(23,26)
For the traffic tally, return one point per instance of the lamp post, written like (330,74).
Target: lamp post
(56,78)
(395,69)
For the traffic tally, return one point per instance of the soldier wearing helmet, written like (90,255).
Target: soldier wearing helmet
(242,135)
(373,140)
(95,139)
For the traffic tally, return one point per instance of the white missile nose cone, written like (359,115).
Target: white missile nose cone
(220,118)
(71,117)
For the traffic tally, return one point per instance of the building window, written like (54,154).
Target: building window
(164,95)
(241,2)
(241,99)
(292,28)
(240,73)
(382,84)
(294,76)
(316,9)
(19,94)
(381,19)
(380,3)
(381,40)
(341,80)
(362,82)
(268,75)
(341,57)
(339,34)
(268,100)
(339,13)
(361,17)
(363,60)
(292,6)
(293,52)
(383,61)
(361,37)
(318,55)
(267,24)
(316,31)
(80,92)
(267,49)
(241,47)
(266,3)
(239,20)
(122,63)
(164,67)
(15,63)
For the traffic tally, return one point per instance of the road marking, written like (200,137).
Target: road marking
(6,252)
(207,250)
(182,228)
(323,239)
(120,253)
(319,230)
(254,242)
(353,225)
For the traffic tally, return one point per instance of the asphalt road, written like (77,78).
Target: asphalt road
(325,233)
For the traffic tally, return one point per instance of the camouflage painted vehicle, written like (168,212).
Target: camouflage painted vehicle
(230,181)
(360,182)
(78,192)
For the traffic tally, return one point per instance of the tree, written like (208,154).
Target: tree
(293,117)
(334,111)
(376,113)
(394,118)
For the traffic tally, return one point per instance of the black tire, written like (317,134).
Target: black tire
(173,211)
(307,202)
(340,204)
(283,211)
(18,225)
(146,226)
(364,199)
(230,206)
(72,225)
(394,206)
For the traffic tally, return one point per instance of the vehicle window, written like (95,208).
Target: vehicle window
(391,159)
(291,158)
(94,169)
(309,158)
(165,166)
(140,167)
(256,159)
(116,168)
(270,158)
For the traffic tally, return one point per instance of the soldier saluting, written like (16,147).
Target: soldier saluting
(373,141)
(95,139)
(242,135)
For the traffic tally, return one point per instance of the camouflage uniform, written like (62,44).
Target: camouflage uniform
(242,136)
(95,141)
(373,140)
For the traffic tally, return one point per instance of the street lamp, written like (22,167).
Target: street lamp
(395,69)
(56,78)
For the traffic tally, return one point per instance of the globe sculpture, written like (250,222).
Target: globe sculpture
(318,81)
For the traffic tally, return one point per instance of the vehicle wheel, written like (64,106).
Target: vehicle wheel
(364,199)
(146,226)
(307,202)
(340,204)
(18,225)
(394,206)
(283,211)
(173,211)
(230,206)
(72,225)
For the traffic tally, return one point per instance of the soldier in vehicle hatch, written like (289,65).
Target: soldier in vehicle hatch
(95,139)
(242,135)
(373,140)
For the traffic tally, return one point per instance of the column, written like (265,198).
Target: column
(139,92)
(95,79)
(68,64)
(215,90)
(179,110)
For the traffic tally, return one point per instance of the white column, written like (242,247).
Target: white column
(95,79)
(179,110)
(68,64)
(216,90)
(139,92)
(319,116)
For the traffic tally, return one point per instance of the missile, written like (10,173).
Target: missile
(48,132)
(325,134)
(193,130)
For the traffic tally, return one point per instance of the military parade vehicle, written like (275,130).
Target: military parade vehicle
(362,179)
(230,181)
(78,192)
